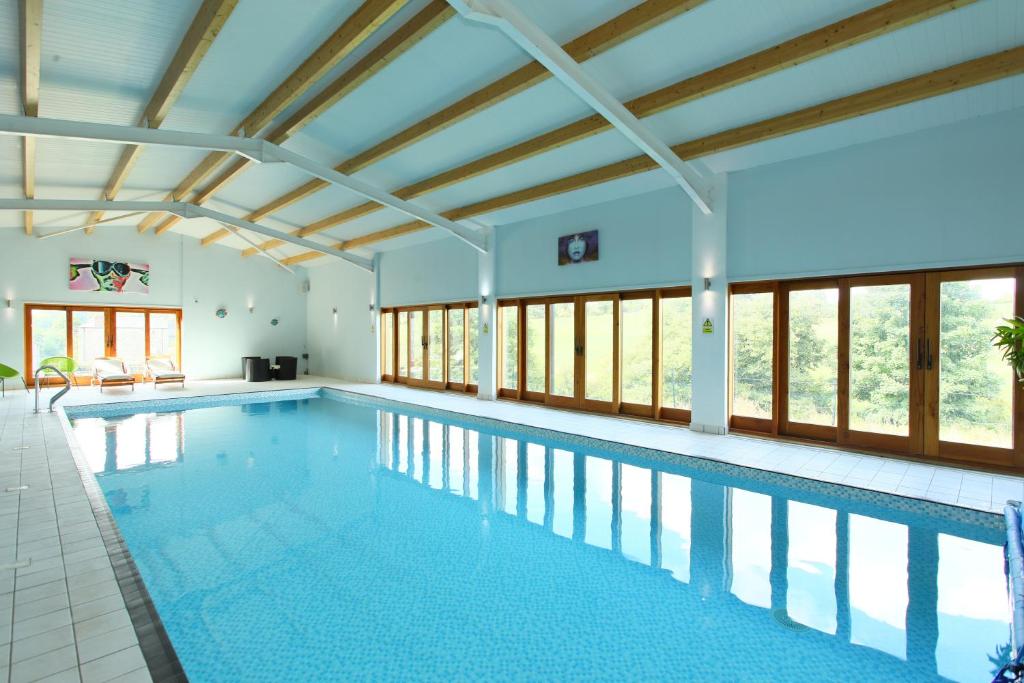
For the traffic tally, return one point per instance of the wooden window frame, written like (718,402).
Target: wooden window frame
(683,415)
(742,422)
(110,331)
(922,441)
(396,314)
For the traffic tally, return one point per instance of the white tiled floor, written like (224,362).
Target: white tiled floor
(62,617)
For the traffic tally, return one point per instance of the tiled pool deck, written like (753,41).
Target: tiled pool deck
(64,593)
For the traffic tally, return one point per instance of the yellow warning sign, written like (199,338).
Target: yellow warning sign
(708,326)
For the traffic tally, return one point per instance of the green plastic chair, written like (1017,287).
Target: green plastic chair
(62,363)
(6,373)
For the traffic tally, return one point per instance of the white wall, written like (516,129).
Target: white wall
(183,274)
(947,196)
(436,272)
(644,241)
(341,345)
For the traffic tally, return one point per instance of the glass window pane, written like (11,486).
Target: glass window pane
(811,573)
(456,337)
(49,335)
(599,324)
(130,340)
(473,320)
(163,336)
(388,362)
(416,344)
(509,320)
(598,502)
(637,325)
(975,383)
(676,352)
(563,349)
(751,547)
(880,359)
(403,344)
(435,321)
(88,338)
(753,335)
(813,356)
(636,513)
(536,347)
(878,585)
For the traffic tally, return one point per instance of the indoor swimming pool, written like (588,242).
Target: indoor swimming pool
(327,537)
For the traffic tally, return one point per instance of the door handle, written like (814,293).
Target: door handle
(929,353)
(920,353)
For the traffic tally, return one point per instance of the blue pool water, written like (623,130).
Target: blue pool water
(326,539)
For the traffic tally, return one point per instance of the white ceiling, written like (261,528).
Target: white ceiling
(101,60)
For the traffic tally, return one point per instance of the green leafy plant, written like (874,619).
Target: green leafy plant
(1010,338)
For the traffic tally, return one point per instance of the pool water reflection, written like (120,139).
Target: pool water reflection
(319,539)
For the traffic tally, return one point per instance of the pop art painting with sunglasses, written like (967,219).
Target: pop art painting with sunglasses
(96,275)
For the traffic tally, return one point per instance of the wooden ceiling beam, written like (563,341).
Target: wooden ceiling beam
(613,32)
(836,36)
(369,17)
(207,23)
(951,79)
(401,41)
(31,15)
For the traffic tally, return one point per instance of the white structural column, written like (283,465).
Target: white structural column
(711,351)
(376,332)
(487,380)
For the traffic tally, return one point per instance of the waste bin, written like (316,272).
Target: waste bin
(257,369)
(244,359)
(286,366)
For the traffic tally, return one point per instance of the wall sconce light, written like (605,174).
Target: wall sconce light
(334,311)
(251,309)
(483,299)
(707,284)
(10,303)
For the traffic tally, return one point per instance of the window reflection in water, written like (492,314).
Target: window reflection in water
(751,549)
(844,574)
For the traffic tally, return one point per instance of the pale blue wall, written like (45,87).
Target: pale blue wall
(644,241)
(445,270)
(947,196)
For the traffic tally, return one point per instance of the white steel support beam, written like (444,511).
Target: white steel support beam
(252,148)
(513,23)
(183,209)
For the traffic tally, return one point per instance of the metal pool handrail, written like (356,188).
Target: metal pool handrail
(1014,670)
(56,397)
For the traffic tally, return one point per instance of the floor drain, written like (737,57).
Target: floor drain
(784,620)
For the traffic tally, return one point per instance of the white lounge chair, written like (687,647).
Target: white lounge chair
(111,372)
(162,371)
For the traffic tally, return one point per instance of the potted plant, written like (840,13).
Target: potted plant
(1010,338)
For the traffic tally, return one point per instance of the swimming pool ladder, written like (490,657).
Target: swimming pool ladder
(55,397)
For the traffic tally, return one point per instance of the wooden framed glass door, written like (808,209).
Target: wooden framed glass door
(597,334)
(884,355)
(85,333)
(563,357)
(970,394)
(434,346)
(809,358)
(417,347)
